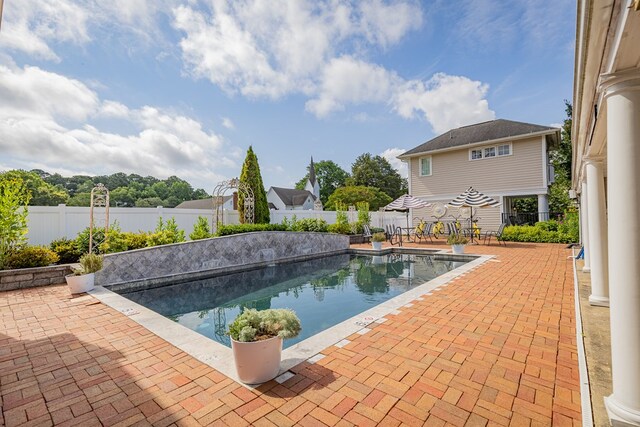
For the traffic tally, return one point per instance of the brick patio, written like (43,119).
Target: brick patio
(495,347)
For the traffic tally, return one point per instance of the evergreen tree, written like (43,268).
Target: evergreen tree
(250,175)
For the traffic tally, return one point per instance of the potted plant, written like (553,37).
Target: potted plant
(376,240)
(457,243)
(256,341)
(82,279)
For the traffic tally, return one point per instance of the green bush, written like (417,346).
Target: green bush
(201,229)
(82,240)
(66,250)
(166,233)
(31,256)
(14,198)
(552,231)
(227,230)
(89,263)
(135,240)
(310,224)
(340,228)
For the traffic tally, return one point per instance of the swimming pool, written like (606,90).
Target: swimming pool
(323,291)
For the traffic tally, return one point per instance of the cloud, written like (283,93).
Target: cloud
(319,50)
(348,80)
(36,27)
(41,113)
(445,101)
(391,155)
(261,50)
(228,123)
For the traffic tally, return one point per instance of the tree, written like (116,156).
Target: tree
(42,193)
(351,195)
(250,175)
(562,159)
(329,175)
(14,198)
(376,171)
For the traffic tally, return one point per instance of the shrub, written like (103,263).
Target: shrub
(166,233)
(378,237)
(310,224)
(89,263)
(135,240)
(227,230)
(340,228)
(253,325)
(457,239)
(201,229)
(363,212)
(31,256)
(66,250)
(14,198)
(82,240)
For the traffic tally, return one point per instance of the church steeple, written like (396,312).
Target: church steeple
(312,173)
(313,186)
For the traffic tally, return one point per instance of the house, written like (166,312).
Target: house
(293,199)
(503,159)
(606,178)
(228,203)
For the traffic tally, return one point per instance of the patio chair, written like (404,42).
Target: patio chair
(423,231)
(394,235)
(366,233)
(497,233)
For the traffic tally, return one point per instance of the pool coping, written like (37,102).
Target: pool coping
(220,357)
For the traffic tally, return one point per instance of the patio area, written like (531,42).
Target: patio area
(497,346)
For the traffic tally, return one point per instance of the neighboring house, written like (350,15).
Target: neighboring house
(228,203)
(605,138)
(503,159)
(293,199)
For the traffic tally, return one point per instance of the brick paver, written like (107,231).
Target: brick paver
(494,347)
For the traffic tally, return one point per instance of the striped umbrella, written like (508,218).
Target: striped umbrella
(404,203)
(473,199)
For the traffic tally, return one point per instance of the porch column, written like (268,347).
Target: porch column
(597,234)
(543,207)
(622,94)
(584,222)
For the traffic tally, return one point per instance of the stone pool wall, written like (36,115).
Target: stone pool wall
(203,257)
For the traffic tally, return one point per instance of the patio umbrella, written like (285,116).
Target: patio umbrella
(404,203)
(473,199)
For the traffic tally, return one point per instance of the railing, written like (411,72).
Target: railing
(529,218)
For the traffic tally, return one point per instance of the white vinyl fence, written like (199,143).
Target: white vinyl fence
(47,223)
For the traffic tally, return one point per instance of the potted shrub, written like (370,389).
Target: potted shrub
(457,243)
(256,341)
(376,240)
(82,279)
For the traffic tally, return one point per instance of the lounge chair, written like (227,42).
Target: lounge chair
(497,233)
(394,235)
(366,233)
(423,231)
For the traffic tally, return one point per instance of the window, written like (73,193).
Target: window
(425,166)
(488,152)
(504,150)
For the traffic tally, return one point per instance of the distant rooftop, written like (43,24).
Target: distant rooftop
(202,203)
(291,196)
(479,132)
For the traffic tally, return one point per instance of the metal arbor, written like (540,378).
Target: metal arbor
(99,199)
(241,187)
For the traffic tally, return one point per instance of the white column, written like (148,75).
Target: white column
(622,93)
(584,220)
(543,207)
(597,224)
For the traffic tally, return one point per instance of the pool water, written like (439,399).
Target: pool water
(323,291)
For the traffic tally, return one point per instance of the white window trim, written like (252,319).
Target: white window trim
(482,150)
(430,165)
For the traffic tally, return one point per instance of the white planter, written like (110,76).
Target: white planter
(80,284)
(376,246)
(457,249)
(257,362)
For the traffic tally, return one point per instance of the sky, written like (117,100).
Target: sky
(184,87)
